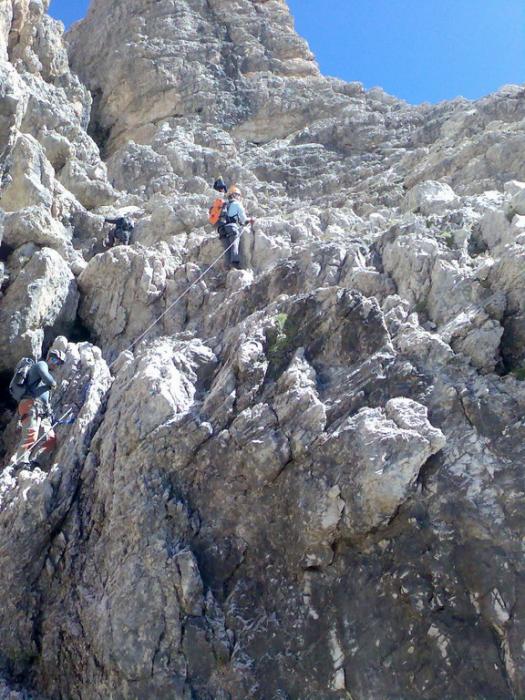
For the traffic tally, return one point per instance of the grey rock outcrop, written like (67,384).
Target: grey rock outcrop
(42,296)
(197,58)
(50,170)
(300,479)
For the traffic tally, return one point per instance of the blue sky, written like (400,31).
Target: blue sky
(68,10)
(420,50)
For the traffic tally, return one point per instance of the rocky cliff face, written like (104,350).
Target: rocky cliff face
(306,480)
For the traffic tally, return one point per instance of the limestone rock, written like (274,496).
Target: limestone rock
(188,33)
(10,692)
(34,505)
(431,198)
(298,479)
(129,305)
(387,450)
(31,176)
(517,204)
(43,297)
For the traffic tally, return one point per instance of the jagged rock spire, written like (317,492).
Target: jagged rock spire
(148,61)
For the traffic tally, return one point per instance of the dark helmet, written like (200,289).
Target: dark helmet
(219,185)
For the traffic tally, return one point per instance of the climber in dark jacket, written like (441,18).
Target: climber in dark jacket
(34,411)
(121,233)
(219,185)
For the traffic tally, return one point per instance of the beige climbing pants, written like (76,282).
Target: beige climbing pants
(35,424)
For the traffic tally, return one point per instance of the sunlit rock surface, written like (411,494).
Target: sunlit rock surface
(306,480)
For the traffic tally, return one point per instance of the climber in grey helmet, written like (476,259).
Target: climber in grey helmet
(34,409)
(231,223)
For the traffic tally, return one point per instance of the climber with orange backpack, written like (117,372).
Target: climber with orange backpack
(229,217)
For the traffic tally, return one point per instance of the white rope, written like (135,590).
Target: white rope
(144,334)
(179,298)
(50,430)
(471,306)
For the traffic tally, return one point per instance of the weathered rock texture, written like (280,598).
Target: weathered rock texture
(306,481)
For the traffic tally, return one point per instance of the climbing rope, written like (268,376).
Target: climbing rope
(471,307)
(62,419)
(144,334)
(179,298)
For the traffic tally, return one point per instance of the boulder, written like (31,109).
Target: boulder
(431,197)
(39,303)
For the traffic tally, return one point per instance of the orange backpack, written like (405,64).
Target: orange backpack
(216,211)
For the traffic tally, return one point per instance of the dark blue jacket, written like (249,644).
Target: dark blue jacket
(39,381)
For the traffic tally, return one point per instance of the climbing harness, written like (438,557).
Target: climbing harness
(60,421)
